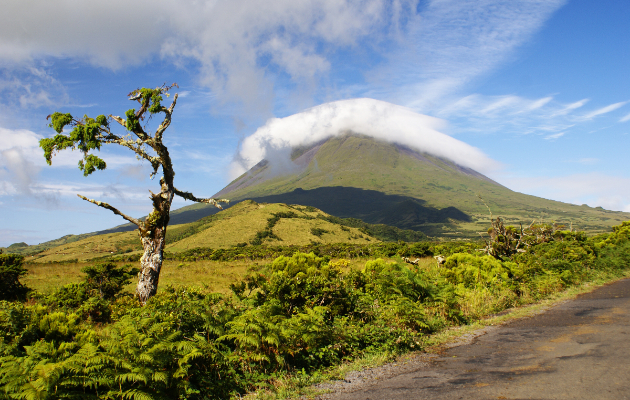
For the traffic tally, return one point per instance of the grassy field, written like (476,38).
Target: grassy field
(213,276)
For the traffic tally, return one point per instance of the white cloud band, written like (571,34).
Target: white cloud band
(378,119)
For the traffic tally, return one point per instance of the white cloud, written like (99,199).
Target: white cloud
(539,103)
(18,171)
(594,189)
(92,190)
(555,136)
(453,42)
(588,161)
(509,114)
(605,110)
(502,103)
(573,106)
(21,160)
(625,118)
(235,43)
(378,119)
(30,88)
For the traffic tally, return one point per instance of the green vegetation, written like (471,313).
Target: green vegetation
(296,316)
(11,270)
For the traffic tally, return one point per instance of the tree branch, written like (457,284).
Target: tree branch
(139,223)
(142,135)
(189,196)
(167,119)
(119,120)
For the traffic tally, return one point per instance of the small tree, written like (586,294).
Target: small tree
(11,270)
(90,134)
(108,279)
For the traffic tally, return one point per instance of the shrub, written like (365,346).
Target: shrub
(107,279)
(318,232)
(11,270)
(477,271)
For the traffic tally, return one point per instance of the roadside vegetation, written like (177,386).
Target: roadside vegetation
(286,320)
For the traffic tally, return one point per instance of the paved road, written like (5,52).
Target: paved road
(576,350)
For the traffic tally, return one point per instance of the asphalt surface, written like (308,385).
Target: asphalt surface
(579,349)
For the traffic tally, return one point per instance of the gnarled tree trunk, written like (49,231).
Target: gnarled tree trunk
(153,237)
(150,266)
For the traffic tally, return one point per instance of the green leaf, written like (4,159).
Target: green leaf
(133,124)
(59,121)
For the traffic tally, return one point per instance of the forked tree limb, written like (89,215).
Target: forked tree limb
(168,112)
(133,220)
(189,196)
(142,135)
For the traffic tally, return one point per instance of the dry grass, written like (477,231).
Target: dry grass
(91,247)
(45,278)
(298,232)
(215,276)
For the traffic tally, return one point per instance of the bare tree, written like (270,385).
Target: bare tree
(90,134)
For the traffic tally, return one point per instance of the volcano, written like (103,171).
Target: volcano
(356,176)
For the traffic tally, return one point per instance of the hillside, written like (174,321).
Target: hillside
(360,177)
(240,225)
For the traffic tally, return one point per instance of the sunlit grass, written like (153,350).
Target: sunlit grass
(214,276)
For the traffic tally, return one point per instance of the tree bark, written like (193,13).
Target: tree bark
(150,266)
(153,237)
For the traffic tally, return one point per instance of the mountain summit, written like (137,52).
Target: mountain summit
(357,176)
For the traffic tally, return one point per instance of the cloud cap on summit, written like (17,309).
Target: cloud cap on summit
(378,119)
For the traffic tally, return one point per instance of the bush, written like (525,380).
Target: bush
(92,298)
(477,271)
(11,270)
(107,279)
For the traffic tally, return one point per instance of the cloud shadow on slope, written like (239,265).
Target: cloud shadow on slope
(370,206)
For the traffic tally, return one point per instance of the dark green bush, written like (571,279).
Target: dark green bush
(92,297)
(107,279)
(11,270)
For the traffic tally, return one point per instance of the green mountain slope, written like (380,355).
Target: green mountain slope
(357,176)
(245,223)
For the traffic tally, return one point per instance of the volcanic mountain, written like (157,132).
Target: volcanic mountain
(379,182)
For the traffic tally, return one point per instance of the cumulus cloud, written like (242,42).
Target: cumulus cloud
(21,161)
(18,170)
(378,119)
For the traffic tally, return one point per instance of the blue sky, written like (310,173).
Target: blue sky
(537,90)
